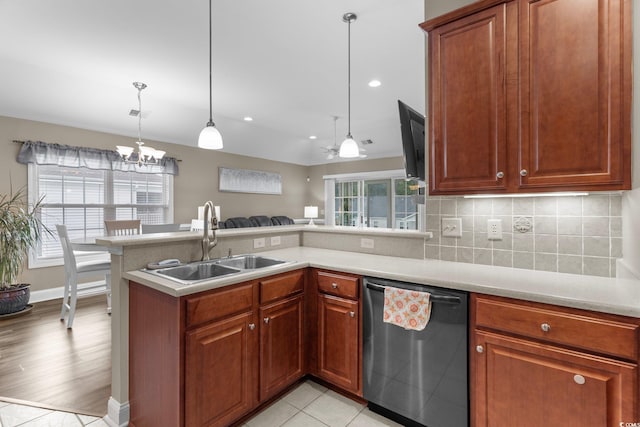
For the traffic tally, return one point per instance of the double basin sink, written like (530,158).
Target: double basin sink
(195,272)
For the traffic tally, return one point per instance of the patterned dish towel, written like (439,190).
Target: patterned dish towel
(405,308)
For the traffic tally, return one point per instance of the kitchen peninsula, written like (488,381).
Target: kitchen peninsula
(601,296)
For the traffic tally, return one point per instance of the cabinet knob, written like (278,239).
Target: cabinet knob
(545,327)
(334,285)
(352,313)
(524,172)
(579,379)
(252,326)
(266,320)
(479,349)
(500,175)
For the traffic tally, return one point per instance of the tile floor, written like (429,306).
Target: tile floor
(312,405)
(14,415)
(308,405)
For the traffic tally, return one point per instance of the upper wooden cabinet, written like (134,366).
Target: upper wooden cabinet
(530,95)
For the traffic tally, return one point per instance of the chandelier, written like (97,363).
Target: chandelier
(145,155)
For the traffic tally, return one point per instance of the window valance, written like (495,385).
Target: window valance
(44,153)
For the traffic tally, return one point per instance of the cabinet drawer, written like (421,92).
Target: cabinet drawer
(219,304)
(338,284)
(574,328)
(281,286)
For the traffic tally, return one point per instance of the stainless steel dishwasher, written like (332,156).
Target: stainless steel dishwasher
(417,377)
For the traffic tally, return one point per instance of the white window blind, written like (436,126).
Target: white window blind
(83,198)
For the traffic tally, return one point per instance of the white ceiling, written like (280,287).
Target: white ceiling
(282,62)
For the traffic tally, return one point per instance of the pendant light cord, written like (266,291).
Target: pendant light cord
(349,77)
(139,114)
(210,70)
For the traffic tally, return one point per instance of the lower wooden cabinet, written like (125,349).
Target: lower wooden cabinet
(211,358)
(525,384)
(540,365)
(338,341)
(221,371)
(281,345)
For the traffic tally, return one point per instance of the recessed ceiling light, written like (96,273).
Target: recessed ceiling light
(313,137)
(374,83)
(248,119)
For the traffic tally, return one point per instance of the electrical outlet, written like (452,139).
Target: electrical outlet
(275,240)
(258,243)
(451,227)
(366,243)
(494,229)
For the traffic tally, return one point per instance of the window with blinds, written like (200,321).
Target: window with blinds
(83,198)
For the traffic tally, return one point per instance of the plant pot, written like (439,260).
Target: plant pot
(14,299)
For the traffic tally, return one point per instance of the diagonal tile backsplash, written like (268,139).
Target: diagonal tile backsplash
(569,234)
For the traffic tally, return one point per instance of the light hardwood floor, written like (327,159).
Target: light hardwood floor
(42,361)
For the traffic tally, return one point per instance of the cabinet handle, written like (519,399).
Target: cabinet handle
(266,320)
(334,285)
(480,349)
(524,172)
(500,175)
(252,326)
(579,379)
(545,327)
(352,313)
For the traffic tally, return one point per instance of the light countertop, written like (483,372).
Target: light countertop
(607,295)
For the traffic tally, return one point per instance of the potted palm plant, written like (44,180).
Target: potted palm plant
(20,230)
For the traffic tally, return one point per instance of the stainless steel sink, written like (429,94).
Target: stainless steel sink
(195,272)
(249,262)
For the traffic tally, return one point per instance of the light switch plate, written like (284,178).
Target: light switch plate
(275,240)
(259,243)
(451,227)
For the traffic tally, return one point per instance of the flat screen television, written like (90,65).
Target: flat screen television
(413,145)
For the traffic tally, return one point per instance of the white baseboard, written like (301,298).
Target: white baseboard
(58,293)
(117,413)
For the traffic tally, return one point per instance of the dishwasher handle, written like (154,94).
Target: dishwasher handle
(443,299)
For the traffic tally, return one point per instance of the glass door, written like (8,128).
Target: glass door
(377,204)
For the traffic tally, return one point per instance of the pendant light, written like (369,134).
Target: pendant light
(145,154)
(349,147)
(210,137)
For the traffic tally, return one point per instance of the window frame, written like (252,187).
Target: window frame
(361,178)
(33,191)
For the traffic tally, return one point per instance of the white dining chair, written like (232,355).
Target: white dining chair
(73,271)
(125,227)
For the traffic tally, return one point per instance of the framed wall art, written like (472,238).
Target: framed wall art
(248,181)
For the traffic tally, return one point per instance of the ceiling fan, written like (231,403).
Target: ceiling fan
(333,151)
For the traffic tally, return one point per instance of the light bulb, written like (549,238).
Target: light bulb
(349,148)
(124,151)
(210,138)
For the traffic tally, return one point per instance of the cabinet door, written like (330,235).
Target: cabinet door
(575,94)
(281,345)
(338,338)
(521,383)
(221,368)
(467,119)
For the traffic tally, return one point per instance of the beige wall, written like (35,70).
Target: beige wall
(315,195)
(197,182)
